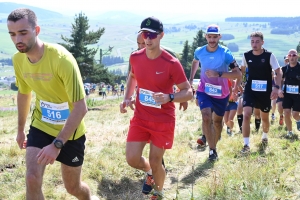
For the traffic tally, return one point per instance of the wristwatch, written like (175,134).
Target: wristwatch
(171,97)
(58,143)
(220,74)
(276,86)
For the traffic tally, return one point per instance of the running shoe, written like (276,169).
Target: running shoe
(148,184)
(213,156)
(228,130)
(281,120)
(156,196)
(273,117)
(245,149)
(202,141)
(264,141)
(290,134)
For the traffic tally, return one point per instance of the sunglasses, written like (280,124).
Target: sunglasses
(149,35)
(292,55)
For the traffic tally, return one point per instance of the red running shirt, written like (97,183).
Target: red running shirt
(158,75)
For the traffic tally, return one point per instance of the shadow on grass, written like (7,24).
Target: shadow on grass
(122,189)
(199,171)
(291,138)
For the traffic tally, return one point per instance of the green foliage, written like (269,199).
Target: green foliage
(101,74)
(84,55)
(78,43)
(298,50)
(186,58)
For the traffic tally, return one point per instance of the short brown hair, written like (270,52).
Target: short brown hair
(257,34)
(23,13)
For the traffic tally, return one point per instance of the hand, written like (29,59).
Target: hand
(21,140)
(183,105)
(197,103)
(48,155)
(274,94)
(161,98)
(280,93)
(211,73)
(126,103)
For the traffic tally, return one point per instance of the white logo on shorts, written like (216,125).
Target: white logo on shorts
(75,159)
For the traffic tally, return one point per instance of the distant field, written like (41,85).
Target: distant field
(6,71)
(123,37)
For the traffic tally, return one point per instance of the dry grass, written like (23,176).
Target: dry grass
(272,173)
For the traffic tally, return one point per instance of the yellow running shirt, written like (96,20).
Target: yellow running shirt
(57,82)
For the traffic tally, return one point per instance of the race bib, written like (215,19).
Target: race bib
(292,89)
(260,86)
(54,113)
(146,99)
(213,90)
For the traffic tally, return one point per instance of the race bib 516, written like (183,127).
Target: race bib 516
(54,113)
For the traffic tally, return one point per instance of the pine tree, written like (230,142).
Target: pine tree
(298,50)
(78,43)
(185,59)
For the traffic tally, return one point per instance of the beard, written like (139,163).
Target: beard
(24,48)
(212,45)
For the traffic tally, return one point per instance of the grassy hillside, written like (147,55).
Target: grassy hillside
(122,36)
(266,174)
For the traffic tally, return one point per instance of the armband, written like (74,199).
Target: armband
(233,65)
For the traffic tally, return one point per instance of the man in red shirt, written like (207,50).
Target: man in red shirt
(155,72)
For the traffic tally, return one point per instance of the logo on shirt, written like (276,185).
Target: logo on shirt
(262,60)
(211,58)
(250,61)
(159,72)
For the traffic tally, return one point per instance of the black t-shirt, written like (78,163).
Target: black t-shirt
(259,68)
(283,69)
(292,75)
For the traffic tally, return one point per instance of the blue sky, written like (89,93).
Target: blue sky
(191,9)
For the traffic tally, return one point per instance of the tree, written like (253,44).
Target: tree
(298,50)
(78,43)
(199,41)
(185,58)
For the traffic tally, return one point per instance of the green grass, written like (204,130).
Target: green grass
(272,173)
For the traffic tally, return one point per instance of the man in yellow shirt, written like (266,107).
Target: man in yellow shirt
(57,130)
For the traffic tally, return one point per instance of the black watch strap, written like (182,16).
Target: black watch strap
(220,74)
(276,86)
(58,143)
(171,97)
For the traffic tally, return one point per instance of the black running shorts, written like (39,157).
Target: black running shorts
(72,153)
(260,100)
(291,101)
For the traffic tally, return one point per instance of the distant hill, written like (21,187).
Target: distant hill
(7,7)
